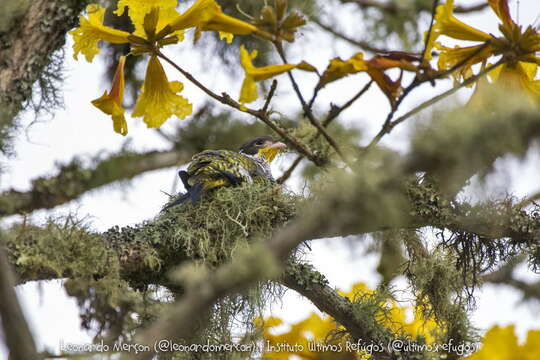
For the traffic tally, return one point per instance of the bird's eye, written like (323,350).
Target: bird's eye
(260,142)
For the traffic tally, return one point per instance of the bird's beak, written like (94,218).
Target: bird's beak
(270,152)
(278,145)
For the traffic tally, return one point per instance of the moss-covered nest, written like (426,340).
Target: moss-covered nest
(225,219)
(211,230)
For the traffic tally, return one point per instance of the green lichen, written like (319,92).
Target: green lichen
(224,220)
(305,275)
(116,275)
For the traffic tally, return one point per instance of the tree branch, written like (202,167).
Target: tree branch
(73,179)
(505,276)
(306,107)
(26,50)
(311,284)
(364,45)
(260,114)
(390,124)
(392,8)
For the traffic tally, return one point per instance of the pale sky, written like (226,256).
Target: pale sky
(82,129)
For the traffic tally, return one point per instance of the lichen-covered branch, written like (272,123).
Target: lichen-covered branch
(505,276)
(373,198)
(311,284)
(74,179)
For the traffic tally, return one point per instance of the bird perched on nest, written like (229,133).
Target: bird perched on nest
(211,169)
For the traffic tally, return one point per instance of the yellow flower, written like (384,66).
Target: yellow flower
(502,344)
(447,24)
(253,74)
(228,37)
(157,23)
(518,76)
(111,103)
(206,15)
(91,31)
(138,9)
(518,47)
(158,100)
(316,329)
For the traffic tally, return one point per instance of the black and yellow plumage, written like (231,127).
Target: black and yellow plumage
(211,169)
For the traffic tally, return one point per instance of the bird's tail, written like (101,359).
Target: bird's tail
(193,193)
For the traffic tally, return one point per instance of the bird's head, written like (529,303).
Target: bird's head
(264,147)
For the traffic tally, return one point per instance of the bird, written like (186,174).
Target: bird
(211,169)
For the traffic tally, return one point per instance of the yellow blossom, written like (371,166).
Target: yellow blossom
(111,103)
(200,12)
(206,15)
(517,45)
(447,24)
(92,30)
(138,9)
(518,76)
(158,100)
(157,24)
(502,344)
(248,93)
(316,329)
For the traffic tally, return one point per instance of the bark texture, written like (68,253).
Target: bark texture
(34,32)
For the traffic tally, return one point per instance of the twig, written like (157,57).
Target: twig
(444,94)
(430,30)
(416,82)
(225,99)
(468,9)
(361,44)
(387,126)
(393,8)
(271,93)
(335,111)
(529,200)
(306,108)
(332,114)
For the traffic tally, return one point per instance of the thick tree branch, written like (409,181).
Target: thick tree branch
(74,180)
(377,200)
(311,284)
(505,276)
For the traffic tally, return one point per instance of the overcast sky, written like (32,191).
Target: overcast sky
(82,129)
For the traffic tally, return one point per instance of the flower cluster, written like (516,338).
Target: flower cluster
(157,23)
(517,46)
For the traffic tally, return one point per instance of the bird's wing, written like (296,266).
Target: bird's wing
(213,168)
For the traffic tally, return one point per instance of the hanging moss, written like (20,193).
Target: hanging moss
(222,221)
(115,275)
